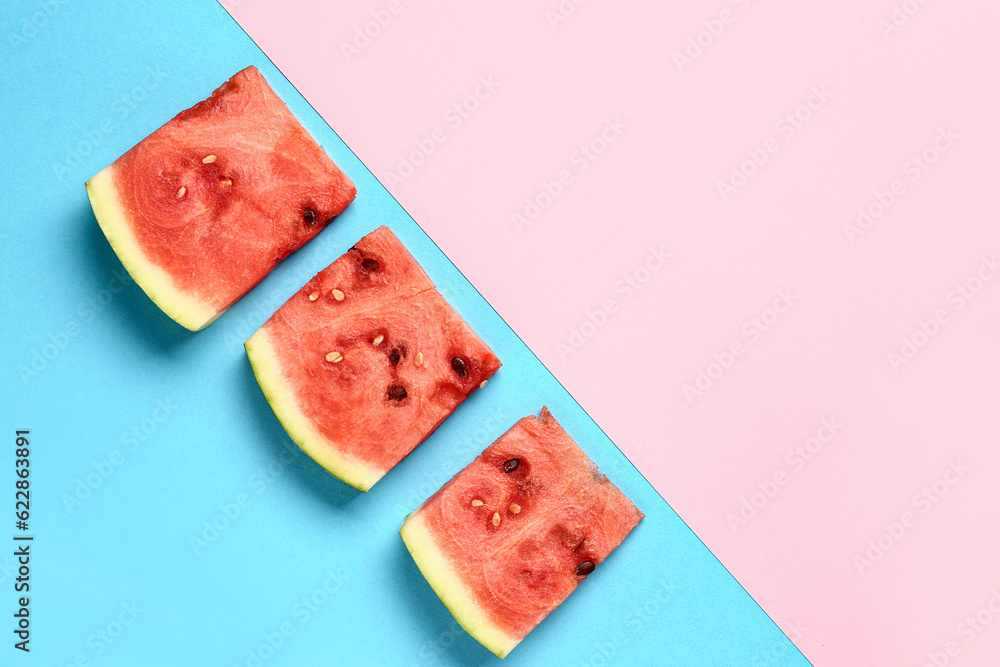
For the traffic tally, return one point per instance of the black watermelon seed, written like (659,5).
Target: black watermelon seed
(458,363)
(394,357)
(370,264)
(510,465)
(396,393)
(585,568)
(310,216)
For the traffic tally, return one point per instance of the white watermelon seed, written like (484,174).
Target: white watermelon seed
(378,340)
(515,508)
(335,357)
(226,181)
(477,503)
(314,296)
(209,159)
(482,384)
(496,518)
(419,359)
(337,294)
(180,193)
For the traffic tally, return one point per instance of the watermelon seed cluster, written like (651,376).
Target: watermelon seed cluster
(514,508)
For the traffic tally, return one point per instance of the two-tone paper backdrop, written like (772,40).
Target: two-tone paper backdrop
(889,107)
(174,522)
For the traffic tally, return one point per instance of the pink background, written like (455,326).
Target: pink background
(834,541)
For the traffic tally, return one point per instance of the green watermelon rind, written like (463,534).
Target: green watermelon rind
(280,396)
(187,310)
(455,595)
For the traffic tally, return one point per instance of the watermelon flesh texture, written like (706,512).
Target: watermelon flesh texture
(206,206)
(514,533)
(367,360)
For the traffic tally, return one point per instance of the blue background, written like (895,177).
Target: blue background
(144,435)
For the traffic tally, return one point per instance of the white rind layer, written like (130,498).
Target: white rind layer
(281,397)
(460,601)
(186,309)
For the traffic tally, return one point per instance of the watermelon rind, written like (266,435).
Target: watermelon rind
(187,310)
(455,595)
(280,396)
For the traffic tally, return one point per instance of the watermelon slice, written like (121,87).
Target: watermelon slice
(510,536)
(366,360)
(206,206)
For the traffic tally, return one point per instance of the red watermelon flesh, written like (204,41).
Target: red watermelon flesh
(206,206)
(514,533)
(367,360)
